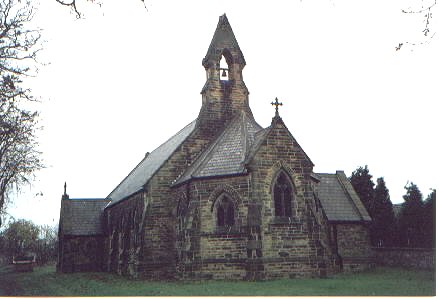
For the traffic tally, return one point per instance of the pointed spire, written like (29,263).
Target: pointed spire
(223,38)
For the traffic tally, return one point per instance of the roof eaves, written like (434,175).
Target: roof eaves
(110,204)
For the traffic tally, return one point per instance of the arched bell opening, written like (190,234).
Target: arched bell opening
(225,65)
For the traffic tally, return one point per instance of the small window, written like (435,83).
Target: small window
(283,196)
(225,212)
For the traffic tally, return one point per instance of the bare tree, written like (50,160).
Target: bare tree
(425,9)
(73,4)
(19,157)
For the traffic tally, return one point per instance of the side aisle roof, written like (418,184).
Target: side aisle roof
(339,200)
(82,216)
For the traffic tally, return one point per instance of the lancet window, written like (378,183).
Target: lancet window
(225,211)
(181,213)
(283,195)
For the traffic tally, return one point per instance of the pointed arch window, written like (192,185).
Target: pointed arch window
(283,195)
(181,213)
(225,212)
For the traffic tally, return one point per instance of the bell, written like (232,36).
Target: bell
(224,74)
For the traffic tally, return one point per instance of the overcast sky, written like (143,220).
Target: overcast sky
(124,79)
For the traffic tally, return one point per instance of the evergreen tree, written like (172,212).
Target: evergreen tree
(362,182)
(430,220)
(411,221)
(383,227)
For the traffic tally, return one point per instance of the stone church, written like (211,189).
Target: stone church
(223,198)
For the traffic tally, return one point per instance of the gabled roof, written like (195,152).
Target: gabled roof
(339,200)
(82,216)
(227,154)
(262,135)
(140,175)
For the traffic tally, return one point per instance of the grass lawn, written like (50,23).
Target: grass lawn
(379,282)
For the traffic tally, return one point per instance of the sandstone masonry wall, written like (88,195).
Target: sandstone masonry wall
(289,245)
(125,236)
(354,246)
(81,254)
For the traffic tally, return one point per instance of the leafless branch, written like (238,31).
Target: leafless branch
(72,5)
(77,12)
(397,48)
(427,11)
(19,45)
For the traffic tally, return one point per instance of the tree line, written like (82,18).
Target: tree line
(24,238)
(410,224)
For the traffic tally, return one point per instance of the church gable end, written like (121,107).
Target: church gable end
(81,234)
(281,186)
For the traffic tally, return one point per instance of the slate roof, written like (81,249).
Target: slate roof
(227,154)
(82,216)
(140,175)
(339,200)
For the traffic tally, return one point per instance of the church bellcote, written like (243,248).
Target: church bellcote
(224,93)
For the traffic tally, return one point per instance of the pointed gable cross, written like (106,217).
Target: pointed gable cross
(277,104)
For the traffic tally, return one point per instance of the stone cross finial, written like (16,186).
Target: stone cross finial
(277,104)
